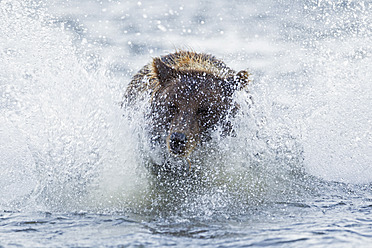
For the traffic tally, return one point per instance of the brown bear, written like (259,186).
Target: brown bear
(190,93)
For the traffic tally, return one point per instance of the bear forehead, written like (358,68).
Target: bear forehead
(202,92)
(184,100)
(197,84)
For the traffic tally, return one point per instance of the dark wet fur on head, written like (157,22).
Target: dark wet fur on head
(190,93)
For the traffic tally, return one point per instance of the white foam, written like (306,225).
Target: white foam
(64,140)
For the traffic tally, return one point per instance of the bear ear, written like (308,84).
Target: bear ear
(240,80)
(163,71)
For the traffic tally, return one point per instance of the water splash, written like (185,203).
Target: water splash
(332,87)
(65,144)
(64,113)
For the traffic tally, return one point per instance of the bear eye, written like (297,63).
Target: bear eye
(202,111)
(172,107)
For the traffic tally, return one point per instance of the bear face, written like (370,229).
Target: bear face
(187,105)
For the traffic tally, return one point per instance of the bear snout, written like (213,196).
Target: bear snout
(177,143)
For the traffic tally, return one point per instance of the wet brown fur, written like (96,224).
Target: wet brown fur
(190,93)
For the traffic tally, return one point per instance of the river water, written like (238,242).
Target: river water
(297,173)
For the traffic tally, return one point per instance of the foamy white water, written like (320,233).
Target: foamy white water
(301,149)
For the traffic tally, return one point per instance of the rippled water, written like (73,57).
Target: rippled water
(72,166)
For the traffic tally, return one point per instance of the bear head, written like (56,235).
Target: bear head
(187,104)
